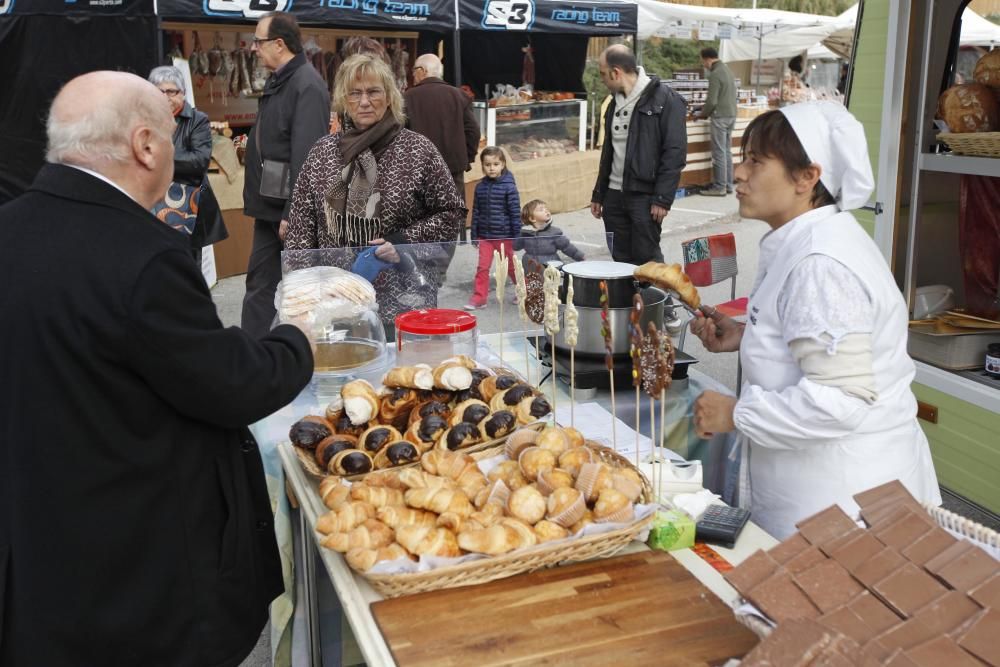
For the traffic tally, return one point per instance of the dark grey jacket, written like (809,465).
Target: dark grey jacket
(656,151)
(294,112)
(543,245)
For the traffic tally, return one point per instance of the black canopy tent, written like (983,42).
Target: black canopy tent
(44,44)
(558,32)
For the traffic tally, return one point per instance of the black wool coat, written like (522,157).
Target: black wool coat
(135,524)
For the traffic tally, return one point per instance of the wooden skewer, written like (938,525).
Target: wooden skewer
(663,430)
(652,434)
(572,382)
(614,411)
(553,339)
(637,404)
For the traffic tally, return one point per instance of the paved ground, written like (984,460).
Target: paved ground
(691,216)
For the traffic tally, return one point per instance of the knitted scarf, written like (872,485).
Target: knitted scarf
(353,203)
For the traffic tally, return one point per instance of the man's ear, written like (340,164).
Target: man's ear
(143,146)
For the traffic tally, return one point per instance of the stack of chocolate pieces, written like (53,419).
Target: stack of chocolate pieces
(904,592)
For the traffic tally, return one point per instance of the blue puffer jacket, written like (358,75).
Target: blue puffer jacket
(496,209)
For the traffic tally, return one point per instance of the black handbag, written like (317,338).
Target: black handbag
(275,176)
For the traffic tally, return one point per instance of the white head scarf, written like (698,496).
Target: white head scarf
(835,140)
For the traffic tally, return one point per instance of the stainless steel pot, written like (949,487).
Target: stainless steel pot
(590,340)
(587,277)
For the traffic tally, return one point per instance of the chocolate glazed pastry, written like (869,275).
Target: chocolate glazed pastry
(330,447)
(460,435)
(472,411)
(498,425)
(351,462)
(517,393)
(396,453)
(427,408)
(345,427)
(309,431)
(532,409)
(425,433)
(488,387)
(376,437)
(478,375)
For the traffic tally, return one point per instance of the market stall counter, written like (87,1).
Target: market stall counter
(354,593)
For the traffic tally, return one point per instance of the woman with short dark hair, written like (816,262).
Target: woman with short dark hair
(825,409)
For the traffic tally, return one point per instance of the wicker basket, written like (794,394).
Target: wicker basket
(312,468)
(522,560)
(979,144)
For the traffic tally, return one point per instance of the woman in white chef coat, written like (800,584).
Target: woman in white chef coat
(825,409)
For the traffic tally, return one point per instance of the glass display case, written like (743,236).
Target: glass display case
(538,129)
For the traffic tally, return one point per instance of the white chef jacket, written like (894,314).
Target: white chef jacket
(811,445)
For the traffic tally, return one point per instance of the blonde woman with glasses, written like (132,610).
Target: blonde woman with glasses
(373,186)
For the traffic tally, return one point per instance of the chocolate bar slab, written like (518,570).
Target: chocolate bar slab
(878,567)
(988,593)
(947,612)
(940,652)
(893,489)
(781,600)
(904,532)
(969,569)
(845,621)
(755,569)
(805,560)
(936,564)
(908,589)
(789,548)
(828,585)
(905,635)
(793,643)
(857,551)
(826,526)
(928,546)
(874,613)
(829,547)
(899,659)
(982,638)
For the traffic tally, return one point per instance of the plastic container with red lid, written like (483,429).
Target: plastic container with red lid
(432,335)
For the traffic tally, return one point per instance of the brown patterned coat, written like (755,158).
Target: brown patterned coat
(419,205)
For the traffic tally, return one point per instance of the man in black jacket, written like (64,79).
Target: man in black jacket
(135,523)
(294,112)
(643,155)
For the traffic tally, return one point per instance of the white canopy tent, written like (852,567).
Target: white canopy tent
(666,19)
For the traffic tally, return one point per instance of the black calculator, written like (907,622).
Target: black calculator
(721,525)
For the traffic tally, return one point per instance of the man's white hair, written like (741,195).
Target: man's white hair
(104,135)
(432,65)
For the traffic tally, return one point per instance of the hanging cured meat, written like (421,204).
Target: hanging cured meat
(528,68)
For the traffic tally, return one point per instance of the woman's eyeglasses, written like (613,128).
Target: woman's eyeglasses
(373,95)
(171,92)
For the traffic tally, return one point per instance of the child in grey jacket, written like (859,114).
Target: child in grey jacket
(539,239)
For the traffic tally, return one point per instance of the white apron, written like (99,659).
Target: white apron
(801,460)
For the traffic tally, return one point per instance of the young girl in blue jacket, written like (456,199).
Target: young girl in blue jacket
(496,220)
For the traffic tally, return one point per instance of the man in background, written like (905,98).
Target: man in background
(294,112)
(135,522)
(443,114)
(642,158)
(720,110)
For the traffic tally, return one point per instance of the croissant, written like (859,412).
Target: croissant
(461,468)
(346,518)
(510,473)
(532,409)
(527,503)
(410,377)
(452,377)
(670,277)
(371,534)
(389,479)
(334,493)
(439,497)
(374,438)
(489,386)
(456,523)
(496,493)
(493,540)
(421,540)
(497,425)
(378,496)
(524,531)
(360,401)
(460,435)
(362,559)
(548,531)
(397,516)
(471,410)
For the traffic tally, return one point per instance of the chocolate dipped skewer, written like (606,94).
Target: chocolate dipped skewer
(635,352)
(551,277)
(609,358)
(500,277)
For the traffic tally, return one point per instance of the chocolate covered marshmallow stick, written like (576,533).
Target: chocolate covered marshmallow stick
(500,277)
(552,278)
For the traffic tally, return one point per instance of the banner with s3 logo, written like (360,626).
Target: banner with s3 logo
(592,18)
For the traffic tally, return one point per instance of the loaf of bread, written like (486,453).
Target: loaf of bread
(969,107)
(987,70)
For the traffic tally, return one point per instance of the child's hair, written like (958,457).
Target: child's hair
(529,210)
(493,151)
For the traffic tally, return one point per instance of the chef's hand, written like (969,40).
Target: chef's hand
(658,213)
(282,229)
(596,209)
(385,251)
(718,333)
(713,413)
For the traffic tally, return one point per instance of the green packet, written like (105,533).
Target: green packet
(672,530)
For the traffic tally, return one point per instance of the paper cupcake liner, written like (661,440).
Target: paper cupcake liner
(570,515)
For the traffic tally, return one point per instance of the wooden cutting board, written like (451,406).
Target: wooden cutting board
(639,609)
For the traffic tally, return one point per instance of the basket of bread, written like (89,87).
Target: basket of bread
(543,497)
(456,405)
(971,111)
